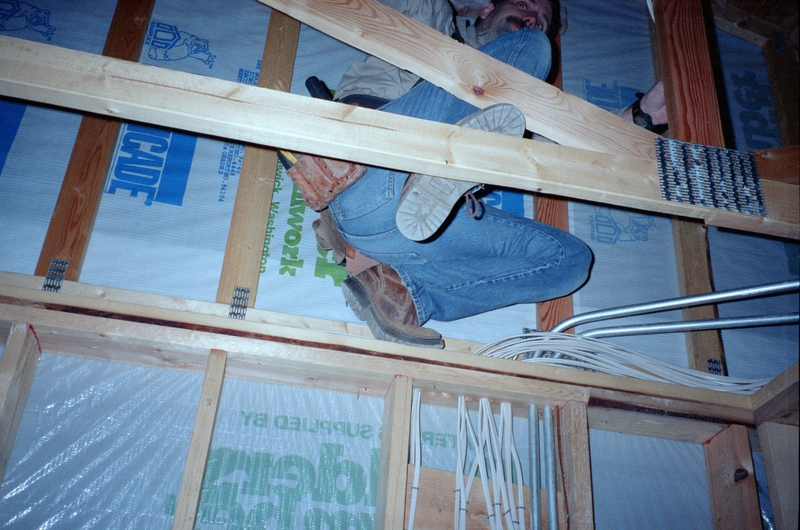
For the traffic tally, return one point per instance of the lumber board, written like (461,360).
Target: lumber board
(779,165)
(576,469)
(777,402)
(17,368)
(68,234)
(266,117)
(242,263)
(731,481)
(780,446)
(164,338)
(784,80)
(390,508)
(200,444)
(656,425)
(694,116)
(469,74)
(555,212)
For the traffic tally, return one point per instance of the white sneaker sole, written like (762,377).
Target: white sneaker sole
(427,201)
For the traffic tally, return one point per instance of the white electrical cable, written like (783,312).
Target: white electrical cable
(593,354)
(416,455)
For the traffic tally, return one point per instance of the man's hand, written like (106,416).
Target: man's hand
(652,103)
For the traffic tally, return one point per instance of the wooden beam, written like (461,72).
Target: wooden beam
(297,341)
(266,117)
(693,114)
(203,432)
(71,224)
(390,509)
(573,440)
(777,402)
(17,368)
(780,445)
(242,264)
(784,80)
(555,212)
(657,425)
(731,480)
(469,74)
(779,165)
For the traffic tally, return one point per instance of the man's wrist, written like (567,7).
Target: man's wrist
(640,117)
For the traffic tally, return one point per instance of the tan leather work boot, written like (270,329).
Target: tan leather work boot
(320,180)
(329,238)
(379,297)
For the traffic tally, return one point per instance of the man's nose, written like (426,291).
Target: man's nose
(530,20)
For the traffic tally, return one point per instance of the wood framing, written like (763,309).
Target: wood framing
(601,159)
(76,208)
(200,444)
(266,117)
(245,245)
(17,368)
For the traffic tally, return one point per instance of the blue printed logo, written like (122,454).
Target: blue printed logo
(153,162)
(754,100)
(168,43)
(609,98)
(510,201)
(614,226)
(16,16)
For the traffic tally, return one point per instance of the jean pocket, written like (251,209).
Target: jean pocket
(373,191)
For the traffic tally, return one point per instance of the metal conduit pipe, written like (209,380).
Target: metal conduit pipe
(678,303)
(550,469)
(534,479)
(692,325)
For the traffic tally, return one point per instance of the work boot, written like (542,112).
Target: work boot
(320,180)
(329,238)
(426,201)
(379,297)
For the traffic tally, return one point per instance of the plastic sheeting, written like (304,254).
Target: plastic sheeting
(105,447)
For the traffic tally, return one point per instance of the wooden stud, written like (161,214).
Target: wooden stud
(777,402)
(267,117)
(390,508)
(779,165)
(17,368)
(242,263)
(780,446)
(573,434)
(784,80)
(203,432)
(731,480)
(693,114)
(70,227)
(555,212)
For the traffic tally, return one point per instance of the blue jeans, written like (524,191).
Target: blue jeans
(472,265)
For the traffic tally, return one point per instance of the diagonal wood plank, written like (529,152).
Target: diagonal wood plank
(694,116)
(76,207)
(241,266)
(256,115)
(470,74)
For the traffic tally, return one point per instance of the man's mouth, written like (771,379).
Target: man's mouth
(515,21)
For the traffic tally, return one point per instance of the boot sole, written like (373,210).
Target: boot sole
(427,201)
(361,304)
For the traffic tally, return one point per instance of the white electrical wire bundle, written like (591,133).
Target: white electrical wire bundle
(415,455)
(593,354)
(495,458)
